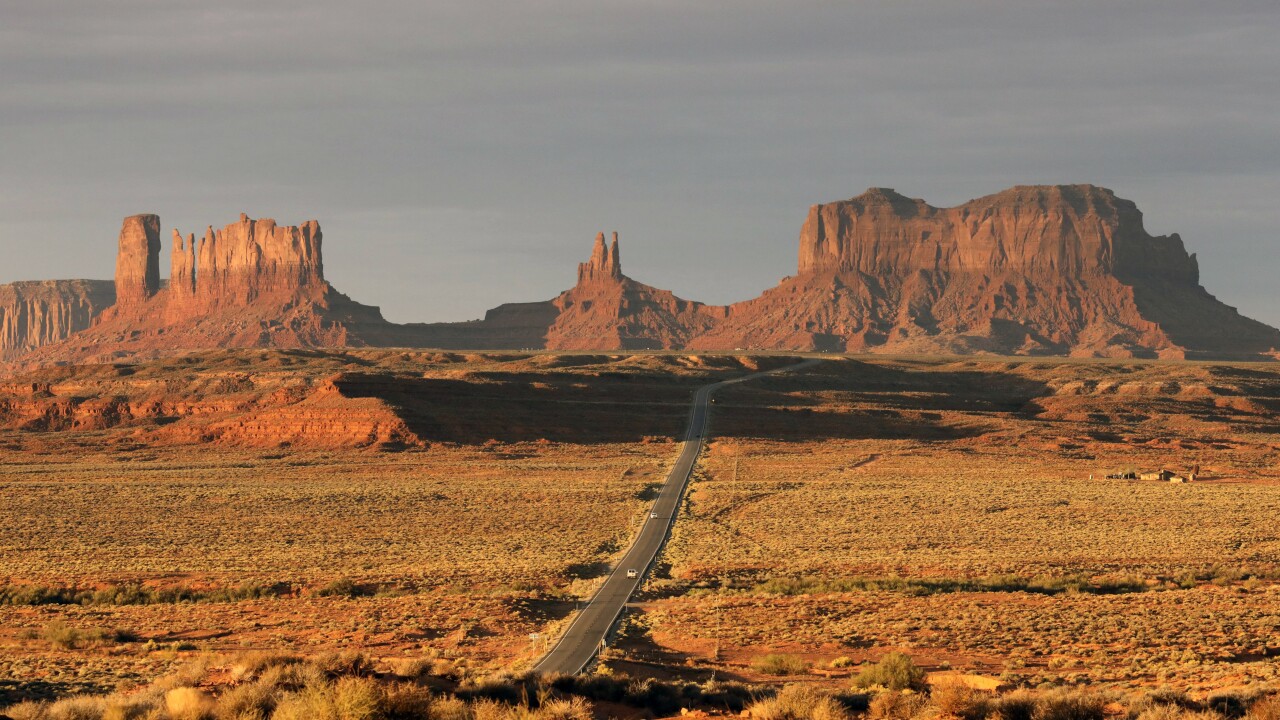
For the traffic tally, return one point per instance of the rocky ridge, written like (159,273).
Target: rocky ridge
(1032,270)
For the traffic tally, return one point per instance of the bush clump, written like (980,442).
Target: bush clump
(780,664)
(895,671)
(799,702)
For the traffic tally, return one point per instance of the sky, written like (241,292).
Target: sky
(459,155)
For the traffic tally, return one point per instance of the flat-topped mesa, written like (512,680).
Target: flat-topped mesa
(605,264)
(253,258)
(138,260)
(1068,229)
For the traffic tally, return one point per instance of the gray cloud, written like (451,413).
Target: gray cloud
(461,154)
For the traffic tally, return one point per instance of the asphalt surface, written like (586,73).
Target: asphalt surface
(587,633)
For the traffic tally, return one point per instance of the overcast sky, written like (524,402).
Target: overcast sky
(463,154)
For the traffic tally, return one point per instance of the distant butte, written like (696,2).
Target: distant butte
(1033,270)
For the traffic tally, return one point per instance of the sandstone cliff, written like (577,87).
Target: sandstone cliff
(35,314)
(1034,270)
(1061,270)
(138,259)
(251,284)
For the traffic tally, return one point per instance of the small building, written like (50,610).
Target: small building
(1162,476)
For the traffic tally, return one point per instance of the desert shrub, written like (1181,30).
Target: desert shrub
(1068,705)
(574,708)
(414,668)
(1175,712)
(595,687)
(502,688)
(780,664)
(311,703)
(335,664)
(449,708)
(1231,705)
(342,587)
(733,696)
(660,697)
(486,709)
(1017,705)
(1170,696)
(253,664)
(251,701)
(188,675)
(1267,708)
(131,594)
(27,711)
(74,708)
(895,705)
(141,705)
(187,703)
(407,701)
(61,635)
(894,671)
(292,677)
(357,698)
(799,702)
(959,700)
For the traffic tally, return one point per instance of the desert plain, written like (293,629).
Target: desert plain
(449,511)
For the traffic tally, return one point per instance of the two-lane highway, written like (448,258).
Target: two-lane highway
(585,635)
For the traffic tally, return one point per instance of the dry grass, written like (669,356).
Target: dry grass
(947,507)
(456,550)
(939,506)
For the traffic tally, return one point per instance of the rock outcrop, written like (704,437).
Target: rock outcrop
(1040,270)
(606,310)
(138,261)
(251,284)
(1033,270)
(35,314)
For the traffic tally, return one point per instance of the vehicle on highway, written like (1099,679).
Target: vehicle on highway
(632,573)
(653,515)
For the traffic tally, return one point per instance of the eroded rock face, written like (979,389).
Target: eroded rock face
(1053,270)
(35,314)
(1072,230)
(252,284)
(138,261)
(608,310)
(254,258)
(605,266)
(1033,270)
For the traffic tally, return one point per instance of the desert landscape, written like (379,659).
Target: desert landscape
(450,511)
(639,360)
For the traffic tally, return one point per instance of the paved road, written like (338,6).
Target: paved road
(580,643)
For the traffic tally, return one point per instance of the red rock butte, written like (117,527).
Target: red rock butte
(1033,270)
(251,284)
(1039,270)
